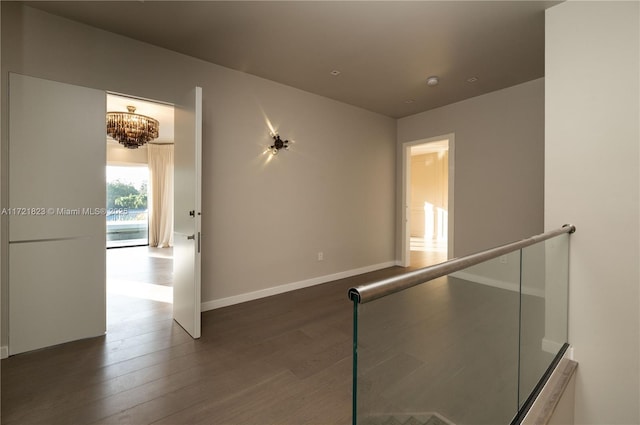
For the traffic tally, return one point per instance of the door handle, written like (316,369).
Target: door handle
(191,237)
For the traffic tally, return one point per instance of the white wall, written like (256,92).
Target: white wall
(263,221)
(521,270)
(499,154)
(592,181)
(119,155)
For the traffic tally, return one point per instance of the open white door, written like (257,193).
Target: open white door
(187,209)
(57,158)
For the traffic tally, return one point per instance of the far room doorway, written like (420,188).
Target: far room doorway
(140,221)
(69,239)
(428,201)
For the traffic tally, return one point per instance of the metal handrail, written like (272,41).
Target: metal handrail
(372,291)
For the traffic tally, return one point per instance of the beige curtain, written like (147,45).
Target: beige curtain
(160,195)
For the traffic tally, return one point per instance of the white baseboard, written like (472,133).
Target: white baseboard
(510,286)
(4,352)
(552,347)
(275,290)
(569,353)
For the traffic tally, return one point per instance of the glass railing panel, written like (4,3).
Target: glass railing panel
(446,350)
(127,227)
(544,309)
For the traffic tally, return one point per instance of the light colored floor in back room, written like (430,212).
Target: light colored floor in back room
(139,285)
(425,253)
(285,359)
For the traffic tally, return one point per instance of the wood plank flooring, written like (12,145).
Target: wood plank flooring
(283,360)
(279,360)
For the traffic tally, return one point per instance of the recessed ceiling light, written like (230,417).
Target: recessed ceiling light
(433,81)
(335,72)
(472,79)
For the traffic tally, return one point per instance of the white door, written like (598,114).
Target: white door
(57,157)
(187,208)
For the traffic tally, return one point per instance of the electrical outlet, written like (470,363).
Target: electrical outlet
(320,255)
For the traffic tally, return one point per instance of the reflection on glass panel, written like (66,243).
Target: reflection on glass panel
(447,349)
(545,282)
(466,348)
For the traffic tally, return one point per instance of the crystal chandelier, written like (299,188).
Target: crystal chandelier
(130,129)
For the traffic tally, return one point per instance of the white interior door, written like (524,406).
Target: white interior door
(57,157)
(187,209)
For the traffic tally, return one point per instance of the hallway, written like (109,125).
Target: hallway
(284,359)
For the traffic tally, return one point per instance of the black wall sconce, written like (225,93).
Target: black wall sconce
(278,144)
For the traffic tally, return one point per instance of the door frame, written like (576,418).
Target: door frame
(198,97)
(405,198)
(4,243)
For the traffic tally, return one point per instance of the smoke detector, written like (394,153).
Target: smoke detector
(433,81)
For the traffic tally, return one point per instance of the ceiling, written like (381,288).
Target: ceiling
(383,50)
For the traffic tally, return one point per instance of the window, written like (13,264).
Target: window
(127,212)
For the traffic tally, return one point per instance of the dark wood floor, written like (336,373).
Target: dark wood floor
(285,359)
(449,347)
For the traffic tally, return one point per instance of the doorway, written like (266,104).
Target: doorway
(139,258)
(427,201)
(56,255)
